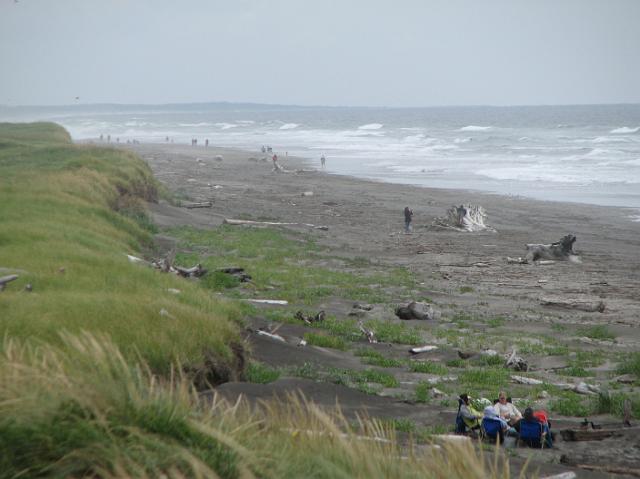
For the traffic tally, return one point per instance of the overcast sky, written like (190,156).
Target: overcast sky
(320,52)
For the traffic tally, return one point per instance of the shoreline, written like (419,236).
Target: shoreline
(308,162)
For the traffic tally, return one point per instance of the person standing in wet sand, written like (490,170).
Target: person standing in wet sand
(408,216)
(322,161)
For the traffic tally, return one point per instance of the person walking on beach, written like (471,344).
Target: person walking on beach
(408,215)
(322,160)
(275,159)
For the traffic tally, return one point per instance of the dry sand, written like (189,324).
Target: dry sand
(365,219)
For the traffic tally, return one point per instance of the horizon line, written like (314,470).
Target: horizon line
(293,105)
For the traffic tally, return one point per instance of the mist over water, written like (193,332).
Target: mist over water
(588,154)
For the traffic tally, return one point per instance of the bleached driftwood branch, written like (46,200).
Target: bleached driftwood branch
(230,221)
(423,349)
(7,279)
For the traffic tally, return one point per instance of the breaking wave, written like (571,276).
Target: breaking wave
(289,126)
(475,128)
(625,129)
(370,126)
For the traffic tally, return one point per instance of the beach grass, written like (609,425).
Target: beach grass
(70,215)
(81,409)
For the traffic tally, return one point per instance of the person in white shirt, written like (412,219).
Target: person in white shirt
(507,410)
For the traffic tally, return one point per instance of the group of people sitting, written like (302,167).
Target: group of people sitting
(503,419)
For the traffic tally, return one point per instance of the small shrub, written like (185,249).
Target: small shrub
(496,322)
(373,357)
(261,374)
(570,404)
(457,363)
(422,392)
(428,367)
(631,365)
(325,341)
(466,289)
(597,332)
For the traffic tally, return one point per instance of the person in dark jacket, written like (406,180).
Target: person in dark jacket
(408,215)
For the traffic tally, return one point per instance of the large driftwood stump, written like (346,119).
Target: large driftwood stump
(415,310)
(465,218)
(560,250)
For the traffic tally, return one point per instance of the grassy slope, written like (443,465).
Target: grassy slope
(80,394)
(80,208)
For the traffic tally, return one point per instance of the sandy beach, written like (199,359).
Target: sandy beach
(461,274)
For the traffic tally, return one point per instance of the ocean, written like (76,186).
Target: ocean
(586,154)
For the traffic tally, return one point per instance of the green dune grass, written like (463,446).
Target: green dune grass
(70,214)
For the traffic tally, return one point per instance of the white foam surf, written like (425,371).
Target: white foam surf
(289,126)
(625,129)
(475,128)
(370,126)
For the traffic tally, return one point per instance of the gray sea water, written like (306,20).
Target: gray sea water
(588,154)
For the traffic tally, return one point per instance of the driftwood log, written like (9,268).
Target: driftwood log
(203,204)
(423,349)
(560,250)
(415,310)
(237,273)
(464,218)
(4,280)
(310,319)
(582,464)
(588,434)
(368,333)
(195,272)
(515,362)
(590,306)
(230,221)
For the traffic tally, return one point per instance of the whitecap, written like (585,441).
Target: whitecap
(370,126)
(226,126)
(381,164)
(608,139)
(625,129)
(289,126)
(475,128)
(195,124)
(462,140)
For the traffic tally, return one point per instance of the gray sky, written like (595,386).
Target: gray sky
(322,52)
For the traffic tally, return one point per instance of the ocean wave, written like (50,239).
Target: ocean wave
(370,126)
(379,164)
(289,126)
(226,126)
(625,129)
(204,123)
(463,140)
(609,139)
(475,128)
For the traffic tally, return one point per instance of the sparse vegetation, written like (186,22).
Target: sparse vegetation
(428,367)
(261,373)
(597,332)
(325,341)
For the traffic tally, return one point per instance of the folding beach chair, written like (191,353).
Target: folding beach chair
(532,433)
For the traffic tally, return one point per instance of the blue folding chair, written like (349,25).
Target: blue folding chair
(492,429)
(532,433)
